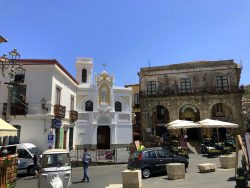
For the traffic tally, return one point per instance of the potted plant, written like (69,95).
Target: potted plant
(227,161)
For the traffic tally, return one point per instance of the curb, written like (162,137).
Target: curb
(75,164)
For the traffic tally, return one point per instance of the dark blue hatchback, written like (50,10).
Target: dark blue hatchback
(154,160)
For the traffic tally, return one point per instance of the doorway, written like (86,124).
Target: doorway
(103,137)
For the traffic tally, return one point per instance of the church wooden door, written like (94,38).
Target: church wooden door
(103,137)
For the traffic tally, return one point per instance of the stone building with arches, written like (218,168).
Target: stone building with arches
(104,110)
(190,91)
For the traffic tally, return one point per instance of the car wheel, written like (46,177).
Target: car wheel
(31,171)
(146,173)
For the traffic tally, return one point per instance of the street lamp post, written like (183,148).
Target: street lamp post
(11,69)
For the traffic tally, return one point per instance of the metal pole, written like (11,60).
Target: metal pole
(7,117)
(10,89)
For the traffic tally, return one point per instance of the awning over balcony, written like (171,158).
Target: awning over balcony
(7,129)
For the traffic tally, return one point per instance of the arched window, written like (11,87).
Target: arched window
(118,106)
(89,106)
(84,75)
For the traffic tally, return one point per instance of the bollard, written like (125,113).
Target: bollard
(131,179)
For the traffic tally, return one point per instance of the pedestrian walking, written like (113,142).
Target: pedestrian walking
(86,159)
(36,166)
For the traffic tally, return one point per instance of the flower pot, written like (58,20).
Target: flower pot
(227,161)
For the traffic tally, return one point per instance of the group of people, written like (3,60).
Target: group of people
(132,147)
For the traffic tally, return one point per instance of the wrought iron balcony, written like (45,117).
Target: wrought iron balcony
(59,111)
(174,91)
(16,109)
(73,115)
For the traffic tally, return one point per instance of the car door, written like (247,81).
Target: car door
(164,157)
(25,159)
(150,160)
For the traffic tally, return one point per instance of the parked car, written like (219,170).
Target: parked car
(153,160)
(26,152)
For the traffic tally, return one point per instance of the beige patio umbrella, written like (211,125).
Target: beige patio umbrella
(210,123)
(182,124)
(7,129)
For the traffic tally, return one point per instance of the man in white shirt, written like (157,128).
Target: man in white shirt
(86,159)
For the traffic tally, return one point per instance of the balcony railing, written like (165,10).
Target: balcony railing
(172,91)
(73,115)
(16,109)
(59,111)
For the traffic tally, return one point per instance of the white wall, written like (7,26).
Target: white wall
(41,81)
(38,80)
(34,131)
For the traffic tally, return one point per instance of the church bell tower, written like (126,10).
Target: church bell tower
(84,70)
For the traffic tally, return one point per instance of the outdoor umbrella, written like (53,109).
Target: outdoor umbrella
(182,124)
(7,129)
(210,123)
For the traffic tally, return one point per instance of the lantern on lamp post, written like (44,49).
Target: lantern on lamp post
(15,72)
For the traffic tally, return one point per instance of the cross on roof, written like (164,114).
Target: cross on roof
(104,66)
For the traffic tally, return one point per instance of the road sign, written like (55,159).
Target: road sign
(50,137)
(51,141)
(57,123)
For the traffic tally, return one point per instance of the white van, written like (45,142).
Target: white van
(26,152)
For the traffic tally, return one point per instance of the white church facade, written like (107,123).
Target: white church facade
(104,110)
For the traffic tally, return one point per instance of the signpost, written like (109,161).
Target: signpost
(51,141)
(56,123)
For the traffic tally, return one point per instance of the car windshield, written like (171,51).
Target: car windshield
(35,151)
(55,160)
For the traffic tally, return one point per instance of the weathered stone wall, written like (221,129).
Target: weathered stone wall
(201,76)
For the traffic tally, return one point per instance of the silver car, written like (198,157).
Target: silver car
(55,170)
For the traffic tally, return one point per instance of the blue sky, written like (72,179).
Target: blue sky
(126,34)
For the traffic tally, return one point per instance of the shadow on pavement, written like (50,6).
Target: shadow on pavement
(29,178)
(76,182)
(231,179)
